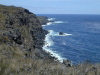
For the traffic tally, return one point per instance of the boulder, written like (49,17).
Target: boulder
(67,63)
(61,33)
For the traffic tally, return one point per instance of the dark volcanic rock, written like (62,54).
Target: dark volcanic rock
(43,20)
(20,27)
(67,63)
(61,33)
(21,41)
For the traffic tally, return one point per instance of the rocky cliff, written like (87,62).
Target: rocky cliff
(21,41)
(21,35)
(43,20)
(19,27)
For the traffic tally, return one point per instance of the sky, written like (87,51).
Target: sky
(57,6)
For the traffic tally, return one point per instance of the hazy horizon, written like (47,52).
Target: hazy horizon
(57,6)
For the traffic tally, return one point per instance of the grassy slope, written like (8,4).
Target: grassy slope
(19,51)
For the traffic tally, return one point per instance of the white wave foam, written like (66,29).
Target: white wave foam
(53,54)
(58,22)
(48,24)
(65,34)
(52,33)
(51,19)
(64,43)
(49,42)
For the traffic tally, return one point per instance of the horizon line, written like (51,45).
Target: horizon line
(64,14)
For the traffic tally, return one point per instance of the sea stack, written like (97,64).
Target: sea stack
(61,33)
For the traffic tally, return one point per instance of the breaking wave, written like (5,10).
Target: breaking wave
(49,42)
(58,22)
(51,19)
(53,33)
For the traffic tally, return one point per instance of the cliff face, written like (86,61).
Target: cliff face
(19,27)
(21,38)
(21,41)
(43,20)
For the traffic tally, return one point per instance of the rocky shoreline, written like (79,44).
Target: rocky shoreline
(23,29)
(17,22)
(21,42)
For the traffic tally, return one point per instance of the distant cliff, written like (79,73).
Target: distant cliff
(21,42)
(43,20)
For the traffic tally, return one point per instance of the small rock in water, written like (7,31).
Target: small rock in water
(47,46)
(61,33)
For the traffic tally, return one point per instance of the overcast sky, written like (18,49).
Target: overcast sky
(57,6)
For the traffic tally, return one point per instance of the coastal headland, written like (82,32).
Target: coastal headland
(21,41)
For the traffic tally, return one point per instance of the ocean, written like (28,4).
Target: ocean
(81,39)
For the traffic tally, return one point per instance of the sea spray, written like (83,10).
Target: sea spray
(58,22)
(53,33)
(49,42)
(51,19)
(48,24)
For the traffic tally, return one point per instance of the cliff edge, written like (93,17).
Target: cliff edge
(21,42)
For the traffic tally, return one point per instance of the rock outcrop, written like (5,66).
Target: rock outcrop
(21,42)
(43,20)
(19,27)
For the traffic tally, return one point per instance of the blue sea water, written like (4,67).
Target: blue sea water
(83,44)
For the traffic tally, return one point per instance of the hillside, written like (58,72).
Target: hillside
(21,41)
